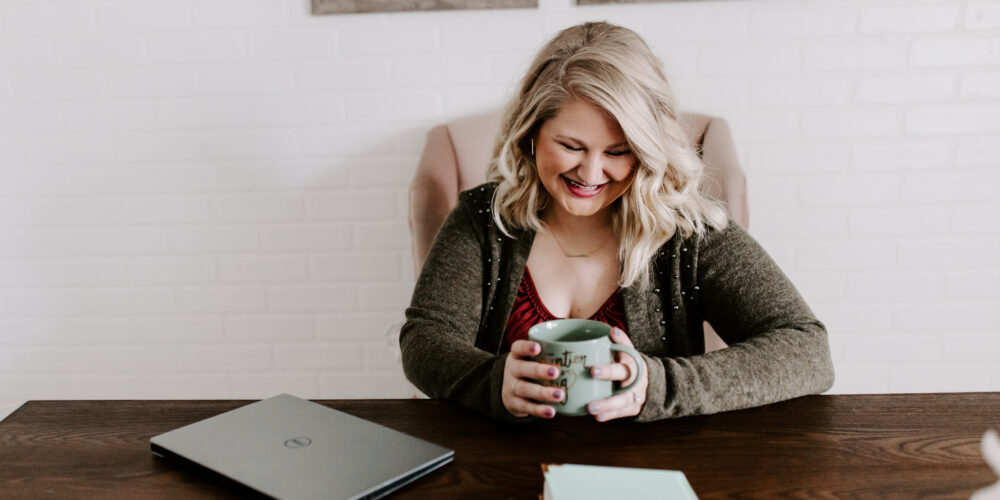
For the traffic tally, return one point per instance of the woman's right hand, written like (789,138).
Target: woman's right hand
(520,394)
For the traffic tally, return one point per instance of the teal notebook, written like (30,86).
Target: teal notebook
(581,482)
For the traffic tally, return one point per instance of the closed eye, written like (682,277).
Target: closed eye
(610,153)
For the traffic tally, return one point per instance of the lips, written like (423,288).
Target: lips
(583,190)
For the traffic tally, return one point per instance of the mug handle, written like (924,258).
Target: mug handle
(641,363)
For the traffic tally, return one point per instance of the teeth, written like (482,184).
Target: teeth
(582,186)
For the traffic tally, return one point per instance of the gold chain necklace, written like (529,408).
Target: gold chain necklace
(578,255)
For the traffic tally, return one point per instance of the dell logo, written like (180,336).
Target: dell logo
(298,442)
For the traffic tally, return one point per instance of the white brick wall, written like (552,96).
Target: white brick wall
(208,199)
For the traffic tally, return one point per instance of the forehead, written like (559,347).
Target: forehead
(585,121)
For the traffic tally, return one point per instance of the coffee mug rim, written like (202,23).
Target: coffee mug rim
(541,330)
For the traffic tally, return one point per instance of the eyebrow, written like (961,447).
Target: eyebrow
(578,141)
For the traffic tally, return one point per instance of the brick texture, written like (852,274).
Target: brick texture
(209,199)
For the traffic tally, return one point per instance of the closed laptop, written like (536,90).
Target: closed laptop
(287,447)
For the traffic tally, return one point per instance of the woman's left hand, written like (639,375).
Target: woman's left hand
(626,404)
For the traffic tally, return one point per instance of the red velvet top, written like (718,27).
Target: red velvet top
(528,311)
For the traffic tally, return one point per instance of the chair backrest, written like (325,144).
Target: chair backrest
(456,154)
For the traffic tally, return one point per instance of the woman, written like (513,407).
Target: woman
(593,211)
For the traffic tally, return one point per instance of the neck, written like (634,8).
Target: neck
(598,224)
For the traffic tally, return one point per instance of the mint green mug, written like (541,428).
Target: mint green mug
(576,345)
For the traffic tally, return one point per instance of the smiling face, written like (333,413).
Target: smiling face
(583,160)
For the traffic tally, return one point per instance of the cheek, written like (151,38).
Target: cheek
(623,171)
(554,162)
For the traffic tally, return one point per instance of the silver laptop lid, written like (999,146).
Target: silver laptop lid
(287,447)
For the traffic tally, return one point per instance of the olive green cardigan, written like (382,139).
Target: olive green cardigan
(777,348)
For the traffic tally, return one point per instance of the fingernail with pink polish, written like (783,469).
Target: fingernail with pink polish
(549,412)
(557,394)
(552,372)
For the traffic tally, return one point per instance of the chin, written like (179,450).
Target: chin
(580,208)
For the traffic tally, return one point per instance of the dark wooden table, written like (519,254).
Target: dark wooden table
(871,446)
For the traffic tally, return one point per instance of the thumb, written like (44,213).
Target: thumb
(618,335)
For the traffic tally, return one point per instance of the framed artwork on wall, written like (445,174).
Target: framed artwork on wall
(596,2)
(320,7)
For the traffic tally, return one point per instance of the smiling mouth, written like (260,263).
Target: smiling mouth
(583,190)
(586,187)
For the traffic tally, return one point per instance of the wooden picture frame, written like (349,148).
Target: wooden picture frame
(602,2)
(322,7)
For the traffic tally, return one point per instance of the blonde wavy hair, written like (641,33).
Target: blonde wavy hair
(612,67)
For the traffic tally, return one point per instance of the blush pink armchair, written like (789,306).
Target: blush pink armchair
(456,153)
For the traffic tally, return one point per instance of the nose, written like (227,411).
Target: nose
(591,169)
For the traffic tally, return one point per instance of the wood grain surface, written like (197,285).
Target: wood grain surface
(860,446)
(320,7)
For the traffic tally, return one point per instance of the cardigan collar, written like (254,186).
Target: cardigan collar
(506,261)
